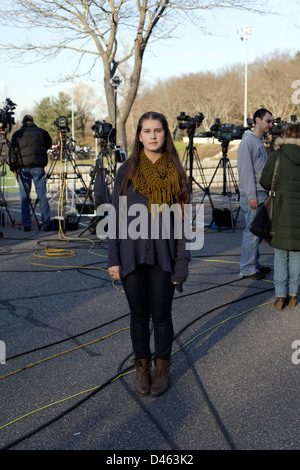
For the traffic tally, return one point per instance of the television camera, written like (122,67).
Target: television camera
(278,130)
(280,126)
(106,133)
(190,123)
(6,116)
(6,122)
(104,130)
(103,173)
(224,132)
(64,144)
(61,122)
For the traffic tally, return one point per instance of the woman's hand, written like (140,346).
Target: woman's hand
(115,272)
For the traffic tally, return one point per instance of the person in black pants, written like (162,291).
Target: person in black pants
(29,155)
(150,264)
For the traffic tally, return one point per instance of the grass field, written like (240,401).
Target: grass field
(5,175)
(206,150)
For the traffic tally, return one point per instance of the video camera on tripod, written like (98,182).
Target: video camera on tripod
(224,132)
(104,131)
(6,122)
(280,126)
(190,123)
(107,134)
(61,122)
(278,130)
(6,116)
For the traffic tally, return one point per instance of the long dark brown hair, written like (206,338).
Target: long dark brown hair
(168,148)
(293,130)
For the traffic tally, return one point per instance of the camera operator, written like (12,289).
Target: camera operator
(29,157)
(252,156)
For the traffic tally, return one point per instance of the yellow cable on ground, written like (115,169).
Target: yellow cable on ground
(94,388)
(58,402)
(222,323)
(63,352)
(61,253)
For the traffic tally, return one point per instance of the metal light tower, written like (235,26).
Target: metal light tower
(245,34)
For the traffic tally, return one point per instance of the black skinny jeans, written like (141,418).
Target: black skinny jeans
(150,292)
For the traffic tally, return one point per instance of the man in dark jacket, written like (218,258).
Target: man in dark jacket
(30,144)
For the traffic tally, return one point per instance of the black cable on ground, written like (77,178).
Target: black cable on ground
(221,306)
(208,401)
(127,314)
(144,408)
(62,414)
(117,375)
(68,339)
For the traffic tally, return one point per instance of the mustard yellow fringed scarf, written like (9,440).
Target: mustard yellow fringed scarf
(157,181)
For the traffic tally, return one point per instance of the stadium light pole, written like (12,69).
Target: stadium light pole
(245,34)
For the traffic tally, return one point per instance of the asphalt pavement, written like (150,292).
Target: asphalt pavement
(66,376)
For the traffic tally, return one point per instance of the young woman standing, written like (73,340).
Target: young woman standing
(150,267)
(286,220)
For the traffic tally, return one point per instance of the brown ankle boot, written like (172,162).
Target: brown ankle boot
(142,376)
(280,303)
(292,300)
(161,379)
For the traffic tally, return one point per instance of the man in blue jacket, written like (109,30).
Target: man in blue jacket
(30,144)
(252,157)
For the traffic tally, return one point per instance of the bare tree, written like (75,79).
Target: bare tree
(221,94)
(85,101)
(271,87)
(96,28)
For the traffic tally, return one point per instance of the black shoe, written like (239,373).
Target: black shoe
(27,228)
(264,270)
(47,228)
(258,276)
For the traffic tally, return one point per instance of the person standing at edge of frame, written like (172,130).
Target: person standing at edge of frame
(30,144)
(252,157)
(150,269)
(286,220)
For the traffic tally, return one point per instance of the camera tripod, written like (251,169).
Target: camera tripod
(190,155)
(106,176)
(3,202)
(228,177)
(102,178)
(100,183)
(66,154)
